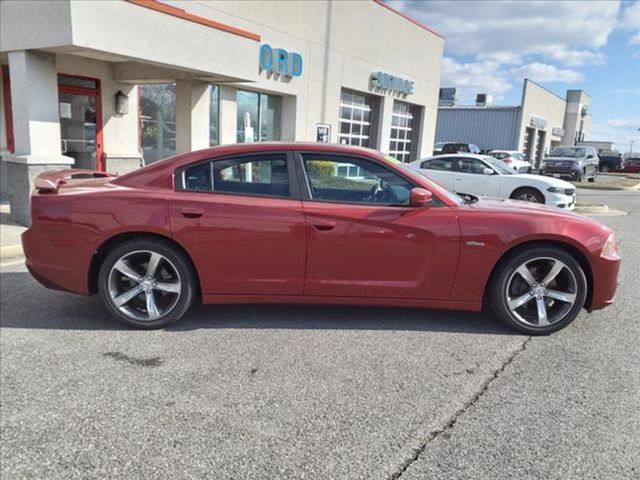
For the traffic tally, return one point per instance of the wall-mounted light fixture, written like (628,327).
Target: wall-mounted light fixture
(122,103)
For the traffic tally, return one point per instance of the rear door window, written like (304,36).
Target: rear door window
(262,175)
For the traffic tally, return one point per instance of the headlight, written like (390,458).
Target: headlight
(610,248)
(564,191)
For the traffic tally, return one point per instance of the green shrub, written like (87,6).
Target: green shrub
(320,168)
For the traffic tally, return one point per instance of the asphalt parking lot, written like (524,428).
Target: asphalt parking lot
(317,392)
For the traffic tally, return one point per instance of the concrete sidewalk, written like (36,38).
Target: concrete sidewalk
(10,245)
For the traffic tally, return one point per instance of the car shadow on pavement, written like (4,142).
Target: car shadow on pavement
(26,304)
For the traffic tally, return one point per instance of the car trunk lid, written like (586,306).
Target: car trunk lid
(51,181)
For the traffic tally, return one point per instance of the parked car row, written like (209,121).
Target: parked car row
(614,162)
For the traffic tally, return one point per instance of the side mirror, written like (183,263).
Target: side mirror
(420,197)
(487,171)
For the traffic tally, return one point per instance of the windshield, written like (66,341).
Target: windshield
(568,152)
(499,166)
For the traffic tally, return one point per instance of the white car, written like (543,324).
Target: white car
(513,159)
(484,176)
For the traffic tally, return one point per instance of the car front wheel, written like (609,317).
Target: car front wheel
(538,290)
(527,195)
(147,283)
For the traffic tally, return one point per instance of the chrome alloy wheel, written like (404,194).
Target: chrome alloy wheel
(144,285)
(541,292)
(527,197)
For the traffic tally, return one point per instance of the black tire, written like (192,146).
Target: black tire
(502,280)
(174,258)
(527,194)
(595,176)
(605,168)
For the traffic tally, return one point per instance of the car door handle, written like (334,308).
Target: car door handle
(192,212)
(324,225)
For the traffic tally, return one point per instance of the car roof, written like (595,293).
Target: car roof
(156,173)
(454,155)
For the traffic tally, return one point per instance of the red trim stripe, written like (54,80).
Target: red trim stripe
(8,114)
(407,17)
(180,13)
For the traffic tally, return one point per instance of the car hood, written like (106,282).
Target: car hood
(525,208)
(562,159)
(536,180)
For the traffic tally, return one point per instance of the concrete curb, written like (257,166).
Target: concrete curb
(592,208)
(11,254)
(592,186)
(603,210)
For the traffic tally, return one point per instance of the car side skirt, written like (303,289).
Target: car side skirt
(333,300)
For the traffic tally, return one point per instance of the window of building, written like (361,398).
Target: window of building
(248,175)
(258,118)
(356,117)
(329,180)
(402,123)
(157,121)
(214,115)
(74,81)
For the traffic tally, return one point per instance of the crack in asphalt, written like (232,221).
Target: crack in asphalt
(140,362)
(454,418)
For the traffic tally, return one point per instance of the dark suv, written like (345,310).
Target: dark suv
(443,148)
(575,163)
(610,160)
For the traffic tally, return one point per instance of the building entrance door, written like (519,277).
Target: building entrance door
(529,140)
(542,139)
(81,121)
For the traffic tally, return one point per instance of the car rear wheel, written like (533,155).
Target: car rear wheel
(528,195)
(147,283)
(539,290)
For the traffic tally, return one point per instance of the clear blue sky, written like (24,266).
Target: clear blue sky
(491,46)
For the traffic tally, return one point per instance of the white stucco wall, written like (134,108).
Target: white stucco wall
(576,100)
(342,43)
(120,132)
(540,102)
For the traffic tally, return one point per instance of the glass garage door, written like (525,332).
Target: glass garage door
(402,120)
(356,113)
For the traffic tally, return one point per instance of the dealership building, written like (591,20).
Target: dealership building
(116,84)
(542,121)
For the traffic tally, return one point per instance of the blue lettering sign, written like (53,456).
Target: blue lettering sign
(391,83)
(279,61)
(266,57)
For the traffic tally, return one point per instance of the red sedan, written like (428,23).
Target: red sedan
(309,223)
(631,165)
